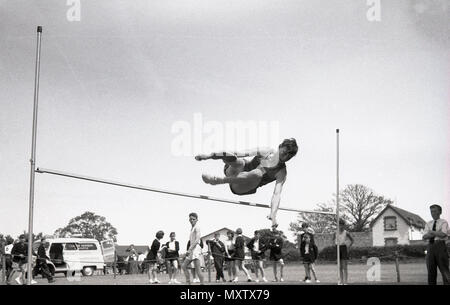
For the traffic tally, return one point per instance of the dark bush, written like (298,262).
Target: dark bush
(291,254)
(383,253)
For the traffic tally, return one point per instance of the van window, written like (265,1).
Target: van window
(70,246)
(56,251)
(87,246)
(107,244)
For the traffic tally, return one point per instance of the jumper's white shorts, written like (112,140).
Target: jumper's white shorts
(196,253)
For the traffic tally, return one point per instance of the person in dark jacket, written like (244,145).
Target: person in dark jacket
(257,248)
(172,256)
(42,261)
(309,253)
(217,248)
(275,246)
(19,253)
(306,229)
(239,255)
(153,259)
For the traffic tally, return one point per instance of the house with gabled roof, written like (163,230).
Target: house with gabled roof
(223,235)
(396,226)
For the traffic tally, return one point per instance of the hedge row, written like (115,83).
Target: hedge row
(383,253)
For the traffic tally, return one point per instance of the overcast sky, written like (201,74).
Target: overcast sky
(114,84)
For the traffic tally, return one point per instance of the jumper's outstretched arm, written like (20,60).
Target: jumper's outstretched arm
(276,197)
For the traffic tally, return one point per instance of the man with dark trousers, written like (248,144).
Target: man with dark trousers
(42,261)
(436,232)
(217,248)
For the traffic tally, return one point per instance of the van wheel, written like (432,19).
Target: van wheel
(88,271)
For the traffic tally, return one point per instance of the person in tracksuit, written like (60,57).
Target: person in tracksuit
(217,248)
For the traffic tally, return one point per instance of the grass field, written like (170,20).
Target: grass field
(414,273)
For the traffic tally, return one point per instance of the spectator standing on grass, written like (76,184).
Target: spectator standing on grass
(436,232)
(257,250)
(229,252)
(275,246)
(309,253)
(152,258)
(217,248)
(172,249)
(239,256)
(344,237)
(194,252)
(132,260)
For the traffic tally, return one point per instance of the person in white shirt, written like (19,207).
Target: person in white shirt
(195,251)
(345,241)
(172,248)
(229,252)
(436,232)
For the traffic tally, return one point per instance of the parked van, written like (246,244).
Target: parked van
(74,254)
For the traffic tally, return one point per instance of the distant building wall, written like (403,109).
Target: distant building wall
(401,233)
(362,239)
(223,237)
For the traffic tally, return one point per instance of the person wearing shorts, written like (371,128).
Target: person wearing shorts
(191,266)
(19,258)
(194,252)
(172,255)
(245,176)
(343,238)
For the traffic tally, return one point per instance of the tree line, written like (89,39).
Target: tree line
(358,206)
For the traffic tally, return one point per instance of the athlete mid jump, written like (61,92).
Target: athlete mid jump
(245,176)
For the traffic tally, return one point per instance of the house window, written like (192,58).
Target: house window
(390,241)
(390,223)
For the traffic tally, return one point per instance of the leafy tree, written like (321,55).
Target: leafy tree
(320,223)
(358,205)
(89,225)
(361,205)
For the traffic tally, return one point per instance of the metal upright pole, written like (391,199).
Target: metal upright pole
(33,157)
(209,262)
(337,207)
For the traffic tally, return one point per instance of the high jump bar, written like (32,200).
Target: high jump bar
(164,191)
